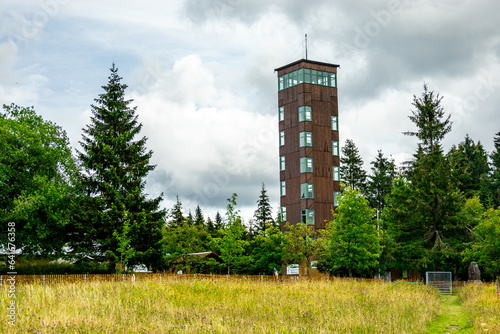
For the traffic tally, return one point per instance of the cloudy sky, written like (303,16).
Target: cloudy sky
(201,73)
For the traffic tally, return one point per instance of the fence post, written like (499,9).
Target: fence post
(43,280)
(1,280)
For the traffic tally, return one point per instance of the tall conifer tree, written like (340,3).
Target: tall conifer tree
(423,216)
(351,166)
(495,172)
(380,181)
(263,214)
(115,164)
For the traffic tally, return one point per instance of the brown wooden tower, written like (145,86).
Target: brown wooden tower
(309,142)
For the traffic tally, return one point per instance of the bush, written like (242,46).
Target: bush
(46,267)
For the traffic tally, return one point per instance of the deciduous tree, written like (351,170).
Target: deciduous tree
(352,241)
(37,174)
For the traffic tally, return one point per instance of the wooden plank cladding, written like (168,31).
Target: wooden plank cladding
(309,125)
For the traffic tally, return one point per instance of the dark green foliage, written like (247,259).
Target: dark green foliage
(267,250)
(47,267)
(263,214)
(469,162)
(198,217)
(219,224)
(175,214)
(380,181)
(114,165)
(36,178)
(428,117)
(495,173)
(423,212)
(351,166)
(182,240)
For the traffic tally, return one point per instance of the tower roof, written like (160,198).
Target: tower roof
(305,61)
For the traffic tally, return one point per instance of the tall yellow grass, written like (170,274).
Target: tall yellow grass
(204,306)
(482,306)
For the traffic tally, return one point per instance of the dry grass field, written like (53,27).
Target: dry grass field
(482,307)
(204,306)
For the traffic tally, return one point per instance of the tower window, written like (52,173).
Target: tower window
(305,114)
(283,213)
(336,173)
(283,188)
(282,163)
(305,139)
(306,165)
(282,138)
(308,76)
(307,216)
(335,123)
(281,114)
(336,195)
(335,148)
(306,190)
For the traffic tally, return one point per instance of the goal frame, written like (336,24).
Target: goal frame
(442,280)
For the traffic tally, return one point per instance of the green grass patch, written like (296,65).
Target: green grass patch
(452,318)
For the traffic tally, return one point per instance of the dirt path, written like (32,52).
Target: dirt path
(452,319)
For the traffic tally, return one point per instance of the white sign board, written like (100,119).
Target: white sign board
(292,269)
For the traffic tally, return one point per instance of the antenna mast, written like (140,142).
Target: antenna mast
(306,46)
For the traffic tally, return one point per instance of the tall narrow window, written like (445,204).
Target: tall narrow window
(282,163)
(335,123)
(283,188)
(306,190)
(307,216)
(306,165)
(305,139)
(335,147)
(282,114)
(333,80)
(305,114)
(336,173)
(283,213)
(336,195)
(282,138)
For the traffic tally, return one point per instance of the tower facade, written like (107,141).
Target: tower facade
(309,142)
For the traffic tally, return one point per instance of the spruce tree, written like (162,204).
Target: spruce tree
(176,216)
(219,224)
(424,207)
(471,168)
(351,166)
(115,163)
(198,217)
(380,181)
(495,172)
(263,214)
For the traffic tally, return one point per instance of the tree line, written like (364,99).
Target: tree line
(437,212)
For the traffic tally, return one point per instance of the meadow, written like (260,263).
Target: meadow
(204,306)
(482,306)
